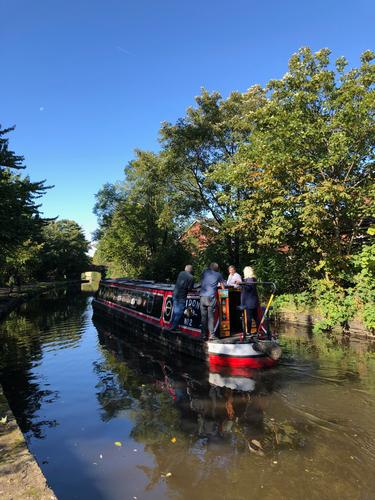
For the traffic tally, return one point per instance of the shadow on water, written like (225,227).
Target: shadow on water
(109,417)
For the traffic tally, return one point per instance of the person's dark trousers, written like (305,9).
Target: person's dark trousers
(178,311)
(252,313)
(208,305)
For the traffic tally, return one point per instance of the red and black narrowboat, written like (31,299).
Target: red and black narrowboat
(146,308)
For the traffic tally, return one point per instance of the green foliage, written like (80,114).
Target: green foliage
(23,261)
(20,220)
(137,223)
(64,250)
(337,305)
(308,169)
(32,247)
(302,301)
(364,280)
(284,173)
(204,140)
(334,304)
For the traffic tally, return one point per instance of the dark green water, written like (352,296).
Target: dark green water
(303,430)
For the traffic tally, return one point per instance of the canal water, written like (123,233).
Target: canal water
(111,419)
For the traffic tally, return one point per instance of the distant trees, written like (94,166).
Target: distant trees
(30,245)
(64,250)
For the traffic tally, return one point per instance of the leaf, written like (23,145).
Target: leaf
(173,440)
(4,420)
(257,450)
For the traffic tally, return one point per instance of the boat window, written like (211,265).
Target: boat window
(138,300)
(150,303)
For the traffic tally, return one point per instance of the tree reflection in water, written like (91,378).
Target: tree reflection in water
(184,415)
(24,336)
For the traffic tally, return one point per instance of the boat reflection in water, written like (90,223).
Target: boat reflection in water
(207,408)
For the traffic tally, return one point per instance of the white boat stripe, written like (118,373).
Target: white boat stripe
(238,383)
(232,349)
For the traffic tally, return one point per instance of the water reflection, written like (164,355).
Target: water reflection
(77,388)
(176,397)
(26,336)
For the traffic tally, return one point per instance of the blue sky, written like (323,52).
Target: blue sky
(88,81)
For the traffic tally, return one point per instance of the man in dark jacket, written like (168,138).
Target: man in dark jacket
(211,278)
(184,283)
(249,297)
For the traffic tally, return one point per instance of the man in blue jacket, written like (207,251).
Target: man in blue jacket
(184,283)
(211,279)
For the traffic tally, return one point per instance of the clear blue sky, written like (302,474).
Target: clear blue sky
(88,81)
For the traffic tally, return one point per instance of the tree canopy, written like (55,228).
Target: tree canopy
(285,174)
(32,246)
(20,218)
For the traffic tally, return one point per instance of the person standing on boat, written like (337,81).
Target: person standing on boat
(211,279)
(184,283)
(249,297)
(234,279)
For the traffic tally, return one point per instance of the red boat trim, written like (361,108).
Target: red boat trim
(223,355)
(242,362)
(192,332)
(235,371)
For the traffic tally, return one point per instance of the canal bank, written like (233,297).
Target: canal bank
(10,300)
(309,319)
(20,475)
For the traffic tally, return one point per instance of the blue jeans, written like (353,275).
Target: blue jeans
(208,306)
(178,311)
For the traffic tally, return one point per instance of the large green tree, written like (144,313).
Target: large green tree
(20,218)
(64,250)
(285,174)
(208,138)
(308,167)
(137,222)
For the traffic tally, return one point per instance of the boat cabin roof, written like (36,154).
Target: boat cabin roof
(138,283)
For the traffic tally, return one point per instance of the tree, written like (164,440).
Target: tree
(138,222)
(207,139)
(64,252)
(286,174)
(20,219)
(309,166)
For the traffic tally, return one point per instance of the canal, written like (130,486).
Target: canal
(110,419)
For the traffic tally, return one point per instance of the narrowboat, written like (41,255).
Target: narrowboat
(146,308)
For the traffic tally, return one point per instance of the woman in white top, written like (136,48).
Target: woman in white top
(234,278)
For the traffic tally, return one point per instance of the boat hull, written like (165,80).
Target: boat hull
(237,354)
(146,310)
